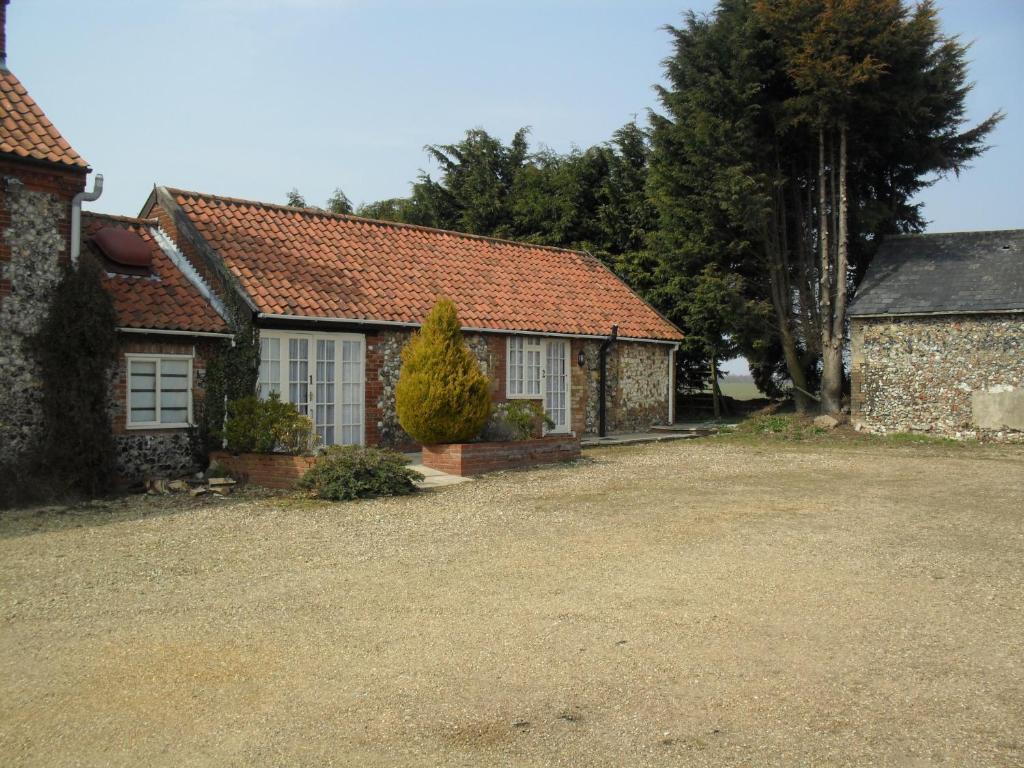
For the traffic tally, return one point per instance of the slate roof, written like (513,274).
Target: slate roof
(166,299)
(954,273)
(25,131)
(300,262)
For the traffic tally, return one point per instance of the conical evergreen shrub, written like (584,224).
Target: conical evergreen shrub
(442,395)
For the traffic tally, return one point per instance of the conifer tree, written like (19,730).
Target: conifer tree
(442,396)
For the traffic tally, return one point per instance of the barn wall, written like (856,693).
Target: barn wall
(958,376)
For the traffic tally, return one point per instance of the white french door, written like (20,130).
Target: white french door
(322,375)
(556,383)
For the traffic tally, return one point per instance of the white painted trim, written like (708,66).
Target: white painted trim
(501,331)
(168,332)
(185,267)
(146,357)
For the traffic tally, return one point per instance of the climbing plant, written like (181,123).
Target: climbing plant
(231,374)
(75,351)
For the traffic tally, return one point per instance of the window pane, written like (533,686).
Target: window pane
(141,416)
(515,366)
(270,367)
(298,374)
(141,391)
(143,375)
(175,368)
(173,415)
(173,399)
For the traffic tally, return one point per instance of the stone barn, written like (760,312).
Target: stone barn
(937,333)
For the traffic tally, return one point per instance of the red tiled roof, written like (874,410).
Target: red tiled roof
(165,299)
(293,261)
(26,132)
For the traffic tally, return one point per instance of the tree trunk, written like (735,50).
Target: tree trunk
(832,351)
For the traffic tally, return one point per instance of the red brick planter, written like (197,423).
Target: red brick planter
(270,470)
(478,458)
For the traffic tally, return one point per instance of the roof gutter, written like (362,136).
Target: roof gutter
(76,215)
(169,332)
(403,324)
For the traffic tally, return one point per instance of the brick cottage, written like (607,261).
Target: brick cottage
(331,298)
(336,297)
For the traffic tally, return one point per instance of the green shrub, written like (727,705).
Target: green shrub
(267,426)
(442,396)
(517,420)
(345,472)
(782,426)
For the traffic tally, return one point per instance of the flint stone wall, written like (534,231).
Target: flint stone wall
(34,248)
(639,398)
(952,376)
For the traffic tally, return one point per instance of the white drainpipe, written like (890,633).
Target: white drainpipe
(76,215)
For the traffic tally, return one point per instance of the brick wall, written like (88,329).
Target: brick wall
(143,453)
(932,374)
(266,470)
(479,458)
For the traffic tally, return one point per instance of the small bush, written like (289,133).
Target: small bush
(442,396)
(268,426)
(781,426)
(517,420)
(346,472)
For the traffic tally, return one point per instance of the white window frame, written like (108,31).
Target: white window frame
(521,384)
(541,347)
(283,390)
(156,358)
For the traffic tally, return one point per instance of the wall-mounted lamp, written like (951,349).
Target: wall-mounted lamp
(581,359)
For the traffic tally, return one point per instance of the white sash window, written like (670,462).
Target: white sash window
(159,391)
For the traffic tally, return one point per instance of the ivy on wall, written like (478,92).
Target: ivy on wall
(74,351)
(230,375)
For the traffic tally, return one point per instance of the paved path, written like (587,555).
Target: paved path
(433,478)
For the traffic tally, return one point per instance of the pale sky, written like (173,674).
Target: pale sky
(249,98)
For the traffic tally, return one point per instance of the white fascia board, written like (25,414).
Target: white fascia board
(503,331)
(185,267)
(169,332)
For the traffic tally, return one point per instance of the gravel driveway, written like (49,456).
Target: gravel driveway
(696,603)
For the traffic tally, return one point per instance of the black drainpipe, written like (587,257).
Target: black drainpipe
(602,406)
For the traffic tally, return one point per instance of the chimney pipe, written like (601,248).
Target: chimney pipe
(3,34)
(76,213)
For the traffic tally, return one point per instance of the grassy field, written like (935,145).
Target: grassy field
(740,388)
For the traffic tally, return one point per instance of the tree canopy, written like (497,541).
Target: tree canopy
(790,137)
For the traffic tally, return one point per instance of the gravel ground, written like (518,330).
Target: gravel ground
(694,603)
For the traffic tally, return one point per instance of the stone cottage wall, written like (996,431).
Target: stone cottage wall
(637,384)
(640,396)
(383,364)
(146,453)
(34,244)
(956,376)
